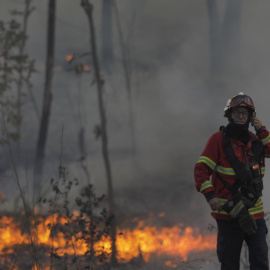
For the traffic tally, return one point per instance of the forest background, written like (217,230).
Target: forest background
(185,59)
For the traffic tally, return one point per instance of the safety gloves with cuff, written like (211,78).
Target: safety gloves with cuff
(237,210)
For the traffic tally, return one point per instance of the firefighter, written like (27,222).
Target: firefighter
(229,173)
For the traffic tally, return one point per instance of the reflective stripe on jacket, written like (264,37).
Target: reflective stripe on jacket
(213,159)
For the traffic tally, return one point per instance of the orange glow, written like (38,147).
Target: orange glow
(58,68)
(2,195)
(170,264)
(69,57)
(143,74)
(86,68)
(143,240)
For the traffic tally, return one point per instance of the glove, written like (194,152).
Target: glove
(237,210)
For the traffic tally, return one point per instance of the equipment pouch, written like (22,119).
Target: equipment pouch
(234,206)
(256,183)
(236,209)
(246,222)
(255,168)
(252,190)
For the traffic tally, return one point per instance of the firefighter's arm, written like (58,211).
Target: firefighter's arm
(263,135)
(203,171)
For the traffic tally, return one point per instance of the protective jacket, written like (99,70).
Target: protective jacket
(214,160)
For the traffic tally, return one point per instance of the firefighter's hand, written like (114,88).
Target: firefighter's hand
(256,123)
(215,204)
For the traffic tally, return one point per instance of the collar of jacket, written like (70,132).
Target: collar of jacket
(238,132)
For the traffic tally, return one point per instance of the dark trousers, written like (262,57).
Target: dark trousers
(230,239)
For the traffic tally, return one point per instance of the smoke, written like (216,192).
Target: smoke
(177,103)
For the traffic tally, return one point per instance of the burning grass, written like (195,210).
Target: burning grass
(80,239)
(58,240)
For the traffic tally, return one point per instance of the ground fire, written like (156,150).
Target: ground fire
(177,241)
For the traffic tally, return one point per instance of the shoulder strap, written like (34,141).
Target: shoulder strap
(257,149)
(240,169)
(235,163)
(226,184)
(241,172)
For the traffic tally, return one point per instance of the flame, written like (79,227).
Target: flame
(143,240)
(58,68)
(170,264)
(162,214)
(86,68)
(143,74)
(2,195)
(173,241)
(69,57)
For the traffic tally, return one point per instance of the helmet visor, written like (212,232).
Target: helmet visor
(238,100)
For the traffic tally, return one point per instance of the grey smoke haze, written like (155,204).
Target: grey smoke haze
(177,106)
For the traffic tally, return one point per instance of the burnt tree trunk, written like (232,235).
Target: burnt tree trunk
(224,37)
(23,76)
(127,75)
(47,99)
(99,82)
(107,58)
(231,36)
(20,80)
(214,35)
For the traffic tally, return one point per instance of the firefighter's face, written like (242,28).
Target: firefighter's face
(240,115)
